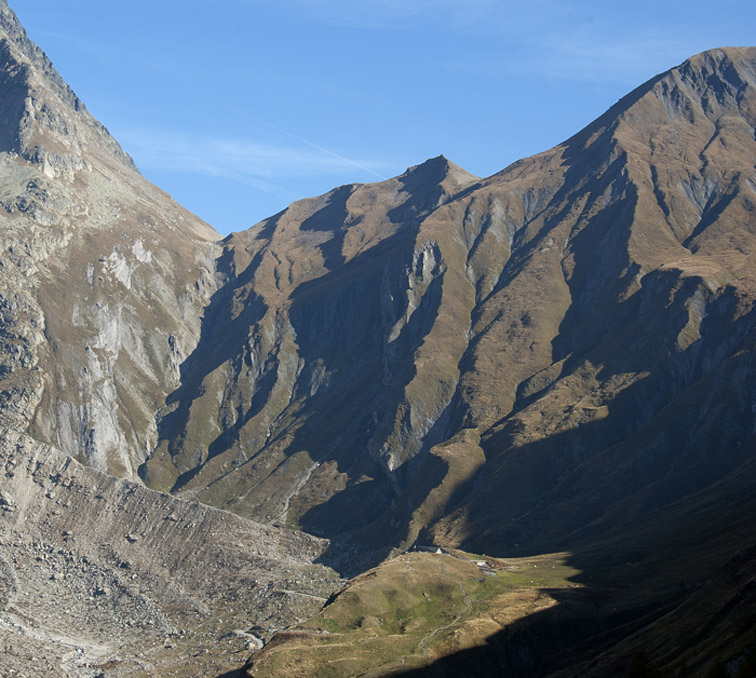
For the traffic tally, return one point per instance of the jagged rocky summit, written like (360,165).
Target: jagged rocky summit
(533,362)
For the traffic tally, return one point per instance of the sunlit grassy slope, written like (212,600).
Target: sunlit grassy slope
(419,607)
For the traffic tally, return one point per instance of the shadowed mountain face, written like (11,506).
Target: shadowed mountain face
(591,355)
(531,363)
(497,362)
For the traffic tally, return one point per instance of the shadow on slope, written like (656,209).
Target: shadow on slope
(221,334)
(342,321)
(345,388)
(675,589)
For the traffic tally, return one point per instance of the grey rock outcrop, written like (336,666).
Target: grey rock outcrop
(103,280)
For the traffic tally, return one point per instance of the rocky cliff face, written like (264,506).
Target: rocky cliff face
(524,363)
(313,390)
(637,390)
(104,281)
(104,277)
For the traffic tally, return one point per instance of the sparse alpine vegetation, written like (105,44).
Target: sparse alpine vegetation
(552,367)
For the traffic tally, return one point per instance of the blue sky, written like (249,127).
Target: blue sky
(239,107)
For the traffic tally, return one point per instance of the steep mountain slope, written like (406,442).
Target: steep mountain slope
(648,395)
(503,361)
(603,408)
(104,281)
(104,276)
(311,389)
(556,359)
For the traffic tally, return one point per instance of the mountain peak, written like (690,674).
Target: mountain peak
(559,359)
(715,83)
(439,168)
(437,174)
(40,111)
(720,54)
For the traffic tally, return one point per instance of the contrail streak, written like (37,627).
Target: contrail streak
(312,145)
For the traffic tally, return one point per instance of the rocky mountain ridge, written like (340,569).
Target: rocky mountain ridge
(519,332)
(104,277)
(524,364)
